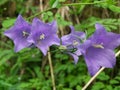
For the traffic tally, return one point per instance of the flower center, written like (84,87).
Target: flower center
(75,43)
(98,46)
(42,36)
(25,33)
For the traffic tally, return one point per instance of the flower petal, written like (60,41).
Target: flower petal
(112,40)
(100,57)
(43,35)
(20,22)
(77,34)
(75,57)
(99,29)
(20,44)
(93,67)
(10,33)
(44,48)
(16,33)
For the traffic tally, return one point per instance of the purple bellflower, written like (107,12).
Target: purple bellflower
(98,49)
(43,35)
(19,33)
(72,41)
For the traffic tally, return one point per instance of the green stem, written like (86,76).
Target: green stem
(75,4)
(39,13)
(51,70)
(72,4)
(93,78)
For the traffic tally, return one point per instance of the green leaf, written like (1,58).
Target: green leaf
(114,8)
(78,88)
(108,87)
(3,2)
(54,3)
(5,55)
(7,23)
(114,81)
(103,76)
(3,83)
(98,86)
(50,13)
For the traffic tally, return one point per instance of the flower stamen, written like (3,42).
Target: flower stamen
(75,43)
(42,36)
(25,33)
(98,46)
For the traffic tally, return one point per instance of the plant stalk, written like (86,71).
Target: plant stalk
(76,4)
(51,70)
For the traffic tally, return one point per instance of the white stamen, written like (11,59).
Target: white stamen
(75,42)
(98,46)
(25,33)
(42,36)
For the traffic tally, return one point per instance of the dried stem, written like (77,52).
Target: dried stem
(93,78)
(41,7)
(51,70)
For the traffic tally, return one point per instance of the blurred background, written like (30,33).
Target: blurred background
(29,69)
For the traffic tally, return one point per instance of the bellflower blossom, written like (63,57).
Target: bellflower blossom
(19,33)
(72,41)
(98,49)
(43,35)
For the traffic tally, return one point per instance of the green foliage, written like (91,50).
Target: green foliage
(3,2)
(55,3)
(7,23)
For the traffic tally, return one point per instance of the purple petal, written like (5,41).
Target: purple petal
(10,33)
(93,67)
(83,47)
(100,29)
(20,44)
(99,57)
(75,57)
(54,26)
(77,34)
(44,48)
(112,40)
(48,33)
(41,26)
(16,33)
(20,22)
(106,39)
(99,34)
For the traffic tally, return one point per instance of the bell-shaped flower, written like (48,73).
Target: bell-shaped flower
(19,33)
(98,49)
(72,42)
(43,35)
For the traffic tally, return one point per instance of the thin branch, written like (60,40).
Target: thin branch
(75,4)
(39,13)
(51,70)
(93,78)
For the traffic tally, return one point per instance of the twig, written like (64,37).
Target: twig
(91,80)
(39,13)
(41,7)
(75,4)
(51,70)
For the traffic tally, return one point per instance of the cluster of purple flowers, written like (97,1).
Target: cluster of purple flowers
(98,49)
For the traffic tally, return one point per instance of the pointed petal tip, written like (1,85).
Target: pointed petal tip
(35,19)
(44,52)
(20,17)
(54,22)
(72,29)
(98,25)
